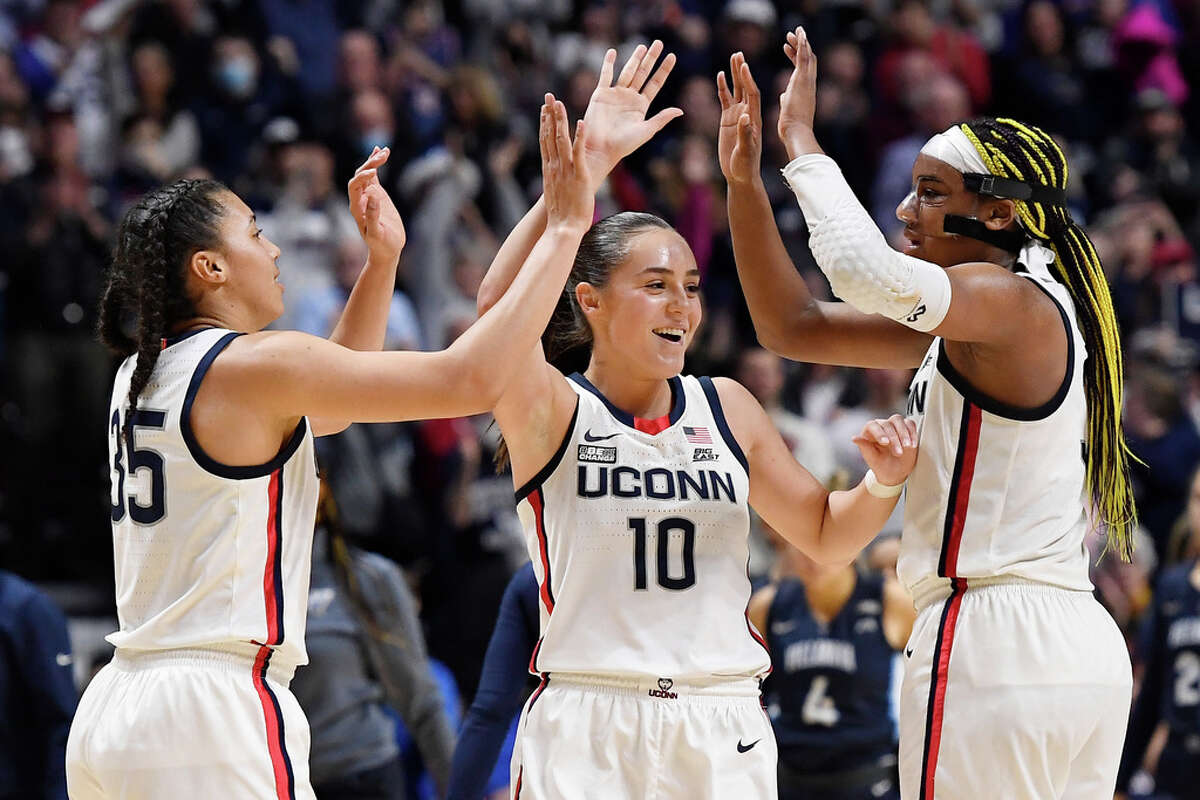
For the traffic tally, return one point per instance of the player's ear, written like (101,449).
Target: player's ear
(588,297)
(207,268)
(998,214)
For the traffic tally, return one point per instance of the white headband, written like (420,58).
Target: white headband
(953,147)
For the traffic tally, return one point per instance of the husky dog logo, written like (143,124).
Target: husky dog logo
(664,689)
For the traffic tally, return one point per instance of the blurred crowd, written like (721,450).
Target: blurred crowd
(100,100)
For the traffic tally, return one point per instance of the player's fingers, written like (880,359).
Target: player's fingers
(660,120)
(659,77)
(606,69)
(735,74)
(723,91)
(648,62)
(374,204)
(562,133)
(578,145)
(900,424)
(893,435)
(361,180)
(911,424)
(545,135)
(377,157)
(745,131)
(630,68)
(875,432)
(753,98)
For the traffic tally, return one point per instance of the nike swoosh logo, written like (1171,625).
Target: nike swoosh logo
(587,437)
(908,652)
(742,748)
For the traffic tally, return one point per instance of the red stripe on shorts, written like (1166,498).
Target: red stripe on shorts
(281,763)
(937,687)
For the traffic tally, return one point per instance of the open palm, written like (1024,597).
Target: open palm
(616,113)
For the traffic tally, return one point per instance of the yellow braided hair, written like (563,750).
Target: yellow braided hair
(1011,149)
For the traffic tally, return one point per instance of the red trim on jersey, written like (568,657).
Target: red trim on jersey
(652,426)
(281,763)
(271,574)
(758,638)
(538,506)
(520,773)
(960,488)
(533,658)
(937,687)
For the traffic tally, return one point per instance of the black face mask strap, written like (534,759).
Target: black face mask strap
(994,186)
(1010,241)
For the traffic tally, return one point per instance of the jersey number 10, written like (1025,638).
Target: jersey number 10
(123,443)
(665,527)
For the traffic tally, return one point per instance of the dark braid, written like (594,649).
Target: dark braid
(603,248)
(1015,150)
(156,239)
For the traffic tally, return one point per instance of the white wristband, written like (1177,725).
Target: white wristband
(881,490)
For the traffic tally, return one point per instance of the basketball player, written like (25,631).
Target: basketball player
(833,635)
(214,484)
(1017,680)
(1170,691)
(633,486)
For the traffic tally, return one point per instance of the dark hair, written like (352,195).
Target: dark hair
(1014,150)
(156,239)
(603,248)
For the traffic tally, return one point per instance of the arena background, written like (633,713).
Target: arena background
(281,99)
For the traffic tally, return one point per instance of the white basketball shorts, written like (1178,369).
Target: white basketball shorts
(189,724)
(584,737)
(1012,689)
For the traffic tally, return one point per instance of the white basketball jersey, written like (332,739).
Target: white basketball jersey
(205,553)
(638,534)
(998,490)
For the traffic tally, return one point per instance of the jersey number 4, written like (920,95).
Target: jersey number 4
(123,437)
(665,528)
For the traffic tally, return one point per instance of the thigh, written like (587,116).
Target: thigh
(1093,770)
(187,733)
(716,749)
(576,743)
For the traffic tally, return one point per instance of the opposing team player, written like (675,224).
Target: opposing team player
(833,634)
(633,485)
(1170,688)
(214,485)
(1018,681)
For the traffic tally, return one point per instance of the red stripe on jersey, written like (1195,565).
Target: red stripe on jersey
(270,586)
(937,688)
(536,503)
(758,638)
(652,426)
(533,670)
(960,488)
(520,773)
(280,763)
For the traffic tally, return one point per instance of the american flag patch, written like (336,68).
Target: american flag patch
(697,435)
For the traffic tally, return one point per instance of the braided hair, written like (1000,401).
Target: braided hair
(1011,149)
(145,284)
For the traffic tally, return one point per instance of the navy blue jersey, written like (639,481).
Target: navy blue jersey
(828,695)
(1170,649)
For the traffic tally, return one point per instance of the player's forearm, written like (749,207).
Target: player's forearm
(512,254)
(363,323)
(775,291)
(852,520)
(504,335)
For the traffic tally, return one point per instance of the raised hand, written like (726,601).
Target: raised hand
(616,113)
(889,446)
(739,143)
(566,180)
(378,221)
(798,103)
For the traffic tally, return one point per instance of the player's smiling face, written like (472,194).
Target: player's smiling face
(648,312)
(250,256)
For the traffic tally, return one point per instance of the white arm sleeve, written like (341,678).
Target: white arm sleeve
(848,247)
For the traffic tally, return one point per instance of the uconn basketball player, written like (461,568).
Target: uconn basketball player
(633,485)
(1170,689)
(1000,301)
(214,487)
(833,635)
